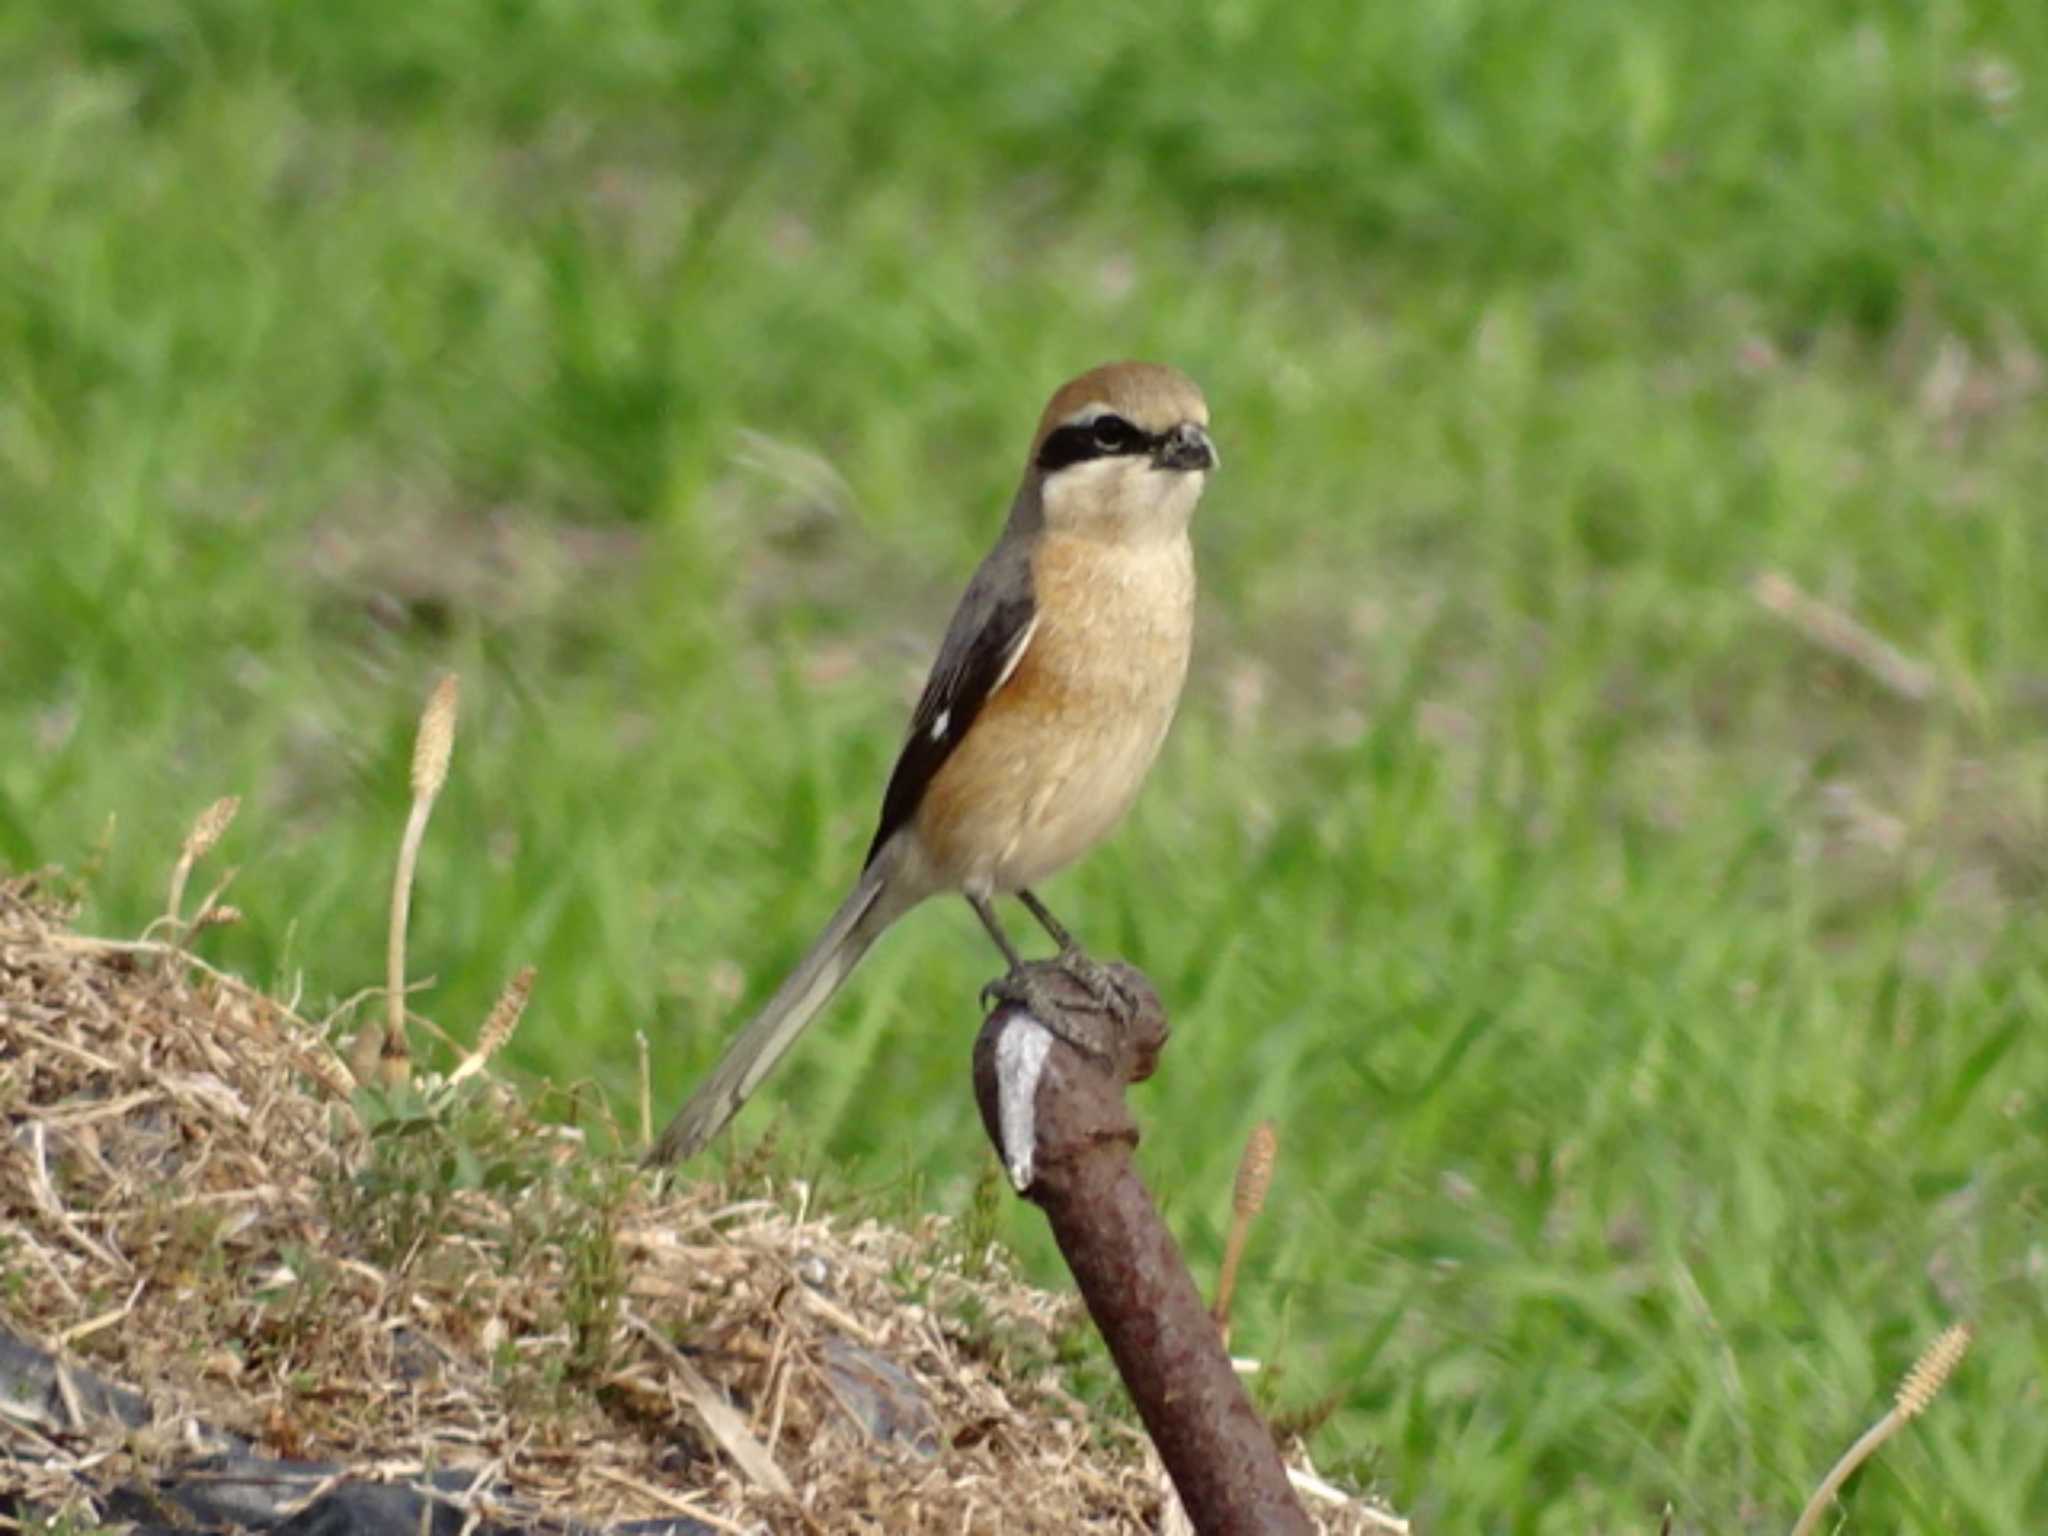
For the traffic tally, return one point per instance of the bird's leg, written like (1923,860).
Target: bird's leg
(1021,986)
(1101,982)
(1025,985)
(1069,945)
(987,914)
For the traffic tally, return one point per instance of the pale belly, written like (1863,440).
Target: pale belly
(1069,800)
(1042,779)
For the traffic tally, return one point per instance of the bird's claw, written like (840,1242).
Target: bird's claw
(1025,990)
(1112,994)
(1010,988)
(1059,1009)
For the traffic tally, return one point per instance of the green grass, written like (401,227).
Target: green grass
(1653,1006)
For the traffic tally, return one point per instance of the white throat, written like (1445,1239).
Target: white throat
(1121,498)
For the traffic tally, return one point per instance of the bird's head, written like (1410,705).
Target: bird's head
(1122,451)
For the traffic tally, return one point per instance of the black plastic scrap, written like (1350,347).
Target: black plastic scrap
(225,1487)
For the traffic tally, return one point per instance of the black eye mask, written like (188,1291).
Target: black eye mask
(1106,437)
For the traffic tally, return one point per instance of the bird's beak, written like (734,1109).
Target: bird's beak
(1186,447)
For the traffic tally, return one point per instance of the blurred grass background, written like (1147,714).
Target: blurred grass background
(1652,1004)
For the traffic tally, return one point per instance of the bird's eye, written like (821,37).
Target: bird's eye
(1115,435)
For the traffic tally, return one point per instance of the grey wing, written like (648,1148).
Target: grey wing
(983,644)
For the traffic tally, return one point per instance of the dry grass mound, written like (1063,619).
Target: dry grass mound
(424,1280)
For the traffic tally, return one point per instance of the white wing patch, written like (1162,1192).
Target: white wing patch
(942,723)
(1017,649)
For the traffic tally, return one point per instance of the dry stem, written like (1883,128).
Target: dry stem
(207,830)
(1833,630)
(430,754)
(1248,1198)
(1921,1386)
(499,1024)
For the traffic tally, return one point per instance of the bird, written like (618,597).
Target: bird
(1053,689)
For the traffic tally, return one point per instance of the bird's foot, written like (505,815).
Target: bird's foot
(1060,1000)
(1109,1012)
(1112,994)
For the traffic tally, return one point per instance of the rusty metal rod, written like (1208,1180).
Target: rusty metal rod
(1057,1118)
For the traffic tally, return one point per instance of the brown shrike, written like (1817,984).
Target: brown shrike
(1052,691)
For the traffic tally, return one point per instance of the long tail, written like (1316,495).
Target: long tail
(874,904)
